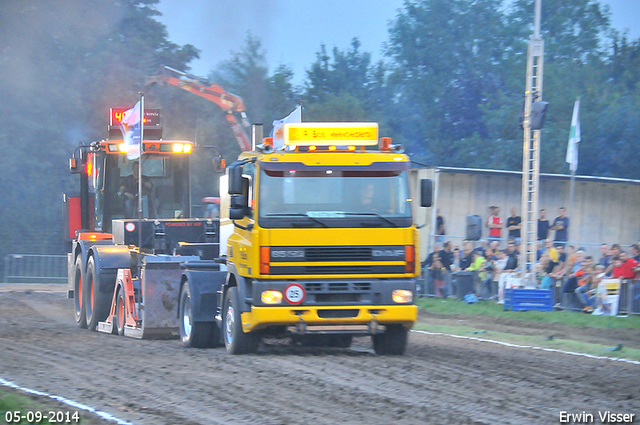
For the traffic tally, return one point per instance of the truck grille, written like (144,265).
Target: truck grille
(338,253)
(320,287)
(313,270)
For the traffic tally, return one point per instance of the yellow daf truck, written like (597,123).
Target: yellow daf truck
(318,241)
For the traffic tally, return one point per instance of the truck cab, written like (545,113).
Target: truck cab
(320,241)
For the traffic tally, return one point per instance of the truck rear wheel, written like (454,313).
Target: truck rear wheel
(96,303)
(78,302)
(195,334)
(236,341)
(392,341)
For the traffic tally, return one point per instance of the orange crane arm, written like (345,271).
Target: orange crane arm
(230,103)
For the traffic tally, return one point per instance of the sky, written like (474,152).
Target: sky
(291,31)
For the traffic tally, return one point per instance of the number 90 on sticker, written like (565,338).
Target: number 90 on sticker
(294,293)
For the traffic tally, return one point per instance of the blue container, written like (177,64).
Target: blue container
(518,299)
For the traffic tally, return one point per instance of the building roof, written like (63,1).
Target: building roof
(542,175)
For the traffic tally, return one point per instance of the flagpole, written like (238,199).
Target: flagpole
(572,190)
(140,185)
(574,139)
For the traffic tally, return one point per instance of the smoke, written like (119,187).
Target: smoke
(37,35)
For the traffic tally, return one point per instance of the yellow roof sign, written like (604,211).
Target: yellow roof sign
(330,133)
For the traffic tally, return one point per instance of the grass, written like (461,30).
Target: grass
(13,400)
(536,341)
(489,308)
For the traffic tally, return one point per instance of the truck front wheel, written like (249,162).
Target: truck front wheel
(392,341)
(195,334)
(236,341)
(78,302)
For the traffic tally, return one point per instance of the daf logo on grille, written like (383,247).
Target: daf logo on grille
(287,254)
(387,253)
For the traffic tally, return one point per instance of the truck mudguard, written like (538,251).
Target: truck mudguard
(243,284)
(108,259)
(205,281)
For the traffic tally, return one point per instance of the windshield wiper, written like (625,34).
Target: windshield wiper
(297,215)
(374,215)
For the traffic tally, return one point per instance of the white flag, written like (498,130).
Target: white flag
(131,128)
(574,138)
(278,126)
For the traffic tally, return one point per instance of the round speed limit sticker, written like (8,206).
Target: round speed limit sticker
(294,293)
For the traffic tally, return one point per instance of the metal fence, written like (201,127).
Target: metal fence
(29,268)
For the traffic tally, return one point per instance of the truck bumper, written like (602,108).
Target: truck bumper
(262,317)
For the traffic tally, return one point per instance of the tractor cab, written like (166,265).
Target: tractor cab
(109,181)
(113,184)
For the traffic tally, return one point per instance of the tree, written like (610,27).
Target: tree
(573,30)
(58,78)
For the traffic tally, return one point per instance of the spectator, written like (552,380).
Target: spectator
(495,225)
(635,252)
(499,274)
(488,270)
(429,260)
(546,270)
(614,251)
(435,271)
(577,271)
(561,226)
(543,226)
(446,258)
(562,255)
(604,255)
(560,269)
(477,264)
(539,250)
(455,259)
(440,233)
(483,247)
(514,224)
(466,257)
(446,255)
(512,257)
(624,267)
(569,260)
(494,245)
(551,250)
(586,290)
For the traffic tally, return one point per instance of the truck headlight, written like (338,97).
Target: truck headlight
(402,296)
(271,297)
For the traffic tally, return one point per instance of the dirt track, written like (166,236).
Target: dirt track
(440,380)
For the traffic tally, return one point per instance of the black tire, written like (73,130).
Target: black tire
(393,341)
(195,334)
(78,301)
(236,341)
(96,303)
(120,317)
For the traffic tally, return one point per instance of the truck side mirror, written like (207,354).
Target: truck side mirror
(235,179)
(237,207)
(426,192)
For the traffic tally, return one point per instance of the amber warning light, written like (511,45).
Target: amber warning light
(151,117)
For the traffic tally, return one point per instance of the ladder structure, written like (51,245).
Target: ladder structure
(531,156)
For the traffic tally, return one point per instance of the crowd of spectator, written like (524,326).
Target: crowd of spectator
(557,264)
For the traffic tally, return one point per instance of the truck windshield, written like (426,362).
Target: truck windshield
(334,198)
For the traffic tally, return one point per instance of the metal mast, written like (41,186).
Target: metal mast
(531,153)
